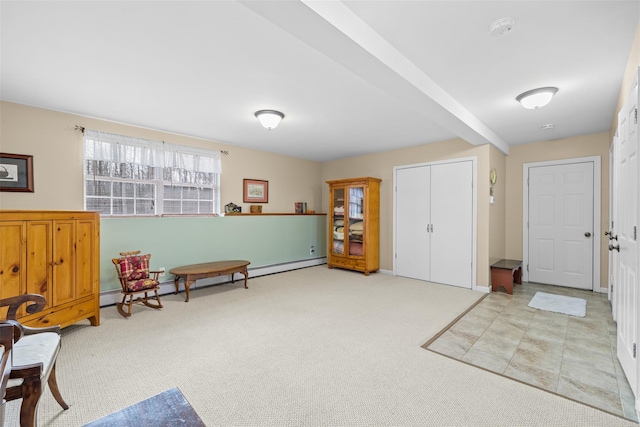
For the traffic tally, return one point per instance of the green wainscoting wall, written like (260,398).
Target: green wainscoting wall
(263,240)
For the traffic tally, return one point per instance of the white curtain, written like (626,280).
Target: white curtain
(113,155)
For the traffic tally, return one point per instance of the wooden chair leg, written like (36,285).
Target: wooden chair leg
(121,305)
(31,392)
(130,305)
(53,385)
(158,299)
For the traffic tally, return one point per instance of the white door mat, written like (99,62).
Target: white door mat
(559,304)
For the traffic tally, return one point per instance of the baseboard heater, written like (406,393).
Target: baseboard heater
(111,297)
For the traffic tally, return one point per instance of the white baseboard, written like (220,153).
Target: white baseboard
(114,296)
(485,289)
(388,272)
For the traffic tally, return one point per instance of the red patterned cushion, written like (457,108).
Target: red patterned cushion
(135,267)
(139,285)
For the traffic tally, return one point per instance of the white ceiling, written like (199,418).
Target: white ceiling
(352,77)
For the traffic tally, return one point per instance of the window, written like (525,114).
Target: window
(132,176)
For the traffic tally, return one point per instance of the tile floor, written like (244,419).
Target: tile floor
(571,356)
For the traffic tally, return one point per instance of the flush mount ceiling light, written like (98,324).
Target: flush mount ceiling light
(269,118)
(536,98)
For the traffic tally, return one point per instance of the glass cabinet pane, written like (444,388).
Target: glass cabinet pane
(338,221)
(356,220)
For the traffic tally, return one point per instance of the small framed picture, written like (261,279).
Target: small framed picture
(255,191)
(16,172)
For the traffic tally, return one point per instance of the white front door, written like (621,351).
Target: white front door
(561,224)
(626,242)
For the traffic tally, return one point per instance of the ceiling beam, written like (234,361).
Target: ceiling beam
(441,107)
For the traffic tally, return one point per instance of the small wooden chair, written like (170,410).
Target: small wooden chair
(6,347)
(34,355)
(135,278)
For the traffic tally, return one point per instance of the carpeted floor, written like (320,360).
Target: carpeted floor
(311,347)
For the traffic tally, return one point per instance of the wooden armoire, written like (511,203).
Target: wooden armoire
(354,224)
(55,254)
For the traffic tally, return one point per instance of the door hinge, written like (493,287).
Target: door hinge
(612,225)
(634,350)
(635,232)
(635,116)
(527,267)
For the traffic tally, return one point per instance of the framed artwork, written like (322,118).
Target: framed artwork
(255,191)
(16,172)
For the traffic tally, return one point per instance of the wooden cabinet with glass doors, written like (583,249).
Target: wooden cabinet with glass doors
(354,224)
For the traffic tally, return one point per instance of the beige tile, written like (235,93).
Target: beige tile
(589,394)
(593,353)
(468,326)
(522,370)
(480,357)
(542,354)
(453,343)
(544,332)
(597,374)
(572,356)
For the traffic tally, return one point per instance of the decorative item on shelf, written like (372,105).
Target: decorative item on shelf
(255,209)
(301,207)
(231,208)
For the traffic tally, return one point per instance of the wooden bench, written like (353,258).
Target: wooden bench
(193,272)
(505,273)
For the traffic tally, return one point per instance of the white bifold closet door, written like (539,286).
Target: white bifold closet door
(434,223)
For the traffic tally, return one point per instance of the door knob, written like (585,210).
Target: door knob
(587,234)
(617,248)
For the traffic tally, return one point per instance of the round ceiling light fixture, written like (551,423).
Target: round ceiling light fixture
(536,98)
(270,119)
(501,26)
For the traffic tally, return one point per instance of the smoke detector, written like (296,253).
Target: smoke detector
(501,27)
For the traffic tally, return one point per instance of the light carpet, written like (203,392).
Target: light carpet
(311,347)
(559,304)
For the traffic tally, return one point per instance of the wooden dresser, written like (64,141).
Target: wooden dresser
(354,224)
(55,254)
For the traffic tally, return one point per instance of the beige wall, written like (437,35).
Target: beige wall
(56,146)
(497,210)
(580,146)
(380,165)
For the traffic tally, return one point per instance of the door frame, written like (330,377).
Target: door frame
(597,206)
(474,214)
(612,259)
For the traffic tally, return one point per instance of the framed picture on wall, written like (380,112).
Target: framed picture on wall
(16,172)
(255,191)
